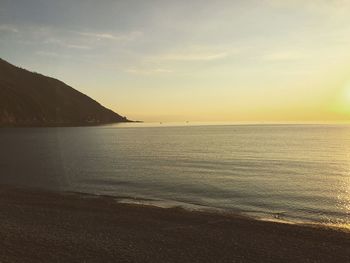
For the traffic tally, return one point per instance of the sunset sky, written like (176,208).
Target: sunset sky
(190,60)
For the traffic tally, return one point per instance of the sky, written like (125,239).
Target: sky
(198,60)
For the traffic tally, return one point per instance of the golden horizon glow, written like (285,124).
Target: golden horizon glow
(254,61)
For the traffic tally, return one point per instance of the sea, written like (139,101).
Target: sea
(298,173)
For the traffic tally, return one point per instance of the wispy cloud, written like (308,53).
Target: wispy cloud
(148,71)
(77,46)
(9,28)
(60,42)
(51,54)
(328,7)
(284,56)
(108,36)
(195,53)
(98,35)
(193,56)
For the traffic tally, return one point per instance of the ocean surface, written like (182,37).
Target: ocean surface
(298,173)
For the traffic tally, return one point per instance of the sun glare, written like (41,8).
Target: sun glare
(346,93)
(342,101)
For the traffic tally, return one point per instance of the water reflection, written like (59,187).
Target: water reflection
(299,172)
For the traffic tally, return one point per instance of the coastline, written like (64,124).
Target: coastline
(72,227)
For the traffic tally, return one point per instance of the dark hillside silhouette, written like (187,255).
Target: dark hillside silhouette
(31,99)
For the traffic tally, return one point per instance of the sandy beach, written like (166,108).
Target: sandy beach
(41,226)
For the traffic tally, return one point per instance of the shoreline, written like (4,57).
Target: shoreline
(173,204)
(195,207)
(76,227)
(252,215)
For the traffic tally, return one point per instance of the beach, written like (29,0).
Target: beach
(44,226)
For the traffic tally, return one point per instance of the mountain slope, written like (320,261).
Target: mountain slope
(31,99)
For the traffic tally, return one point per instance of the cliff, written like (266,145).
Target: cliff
(31,99)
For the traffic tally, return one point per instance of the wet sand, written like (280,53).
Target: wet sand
(41,226)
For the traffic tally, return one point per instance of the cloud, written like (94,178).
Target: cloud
(329,7)
(77,46)
(51,54)
(284,56)
(9,28)
(194,56)
(148,71)
(108,36)
(196,53)
(63,43)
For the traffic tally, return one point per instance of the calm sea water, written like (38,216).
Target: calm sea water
(293,172)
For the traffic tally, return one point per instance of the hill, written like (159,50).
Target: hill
(32,99)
